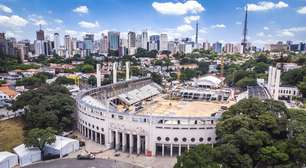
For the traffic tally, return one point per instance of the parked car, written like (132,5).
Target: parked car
(86,157)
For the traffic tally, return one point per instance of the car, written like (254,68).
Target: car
(117,154)
(86,157)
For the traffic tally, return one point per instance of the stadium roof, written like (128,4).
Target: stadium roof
(140,94)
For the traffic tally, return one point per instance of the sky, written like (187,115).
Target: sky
(219,20)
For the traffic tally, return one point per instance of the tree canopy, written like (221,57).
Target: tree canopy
(254,133)
(47,106)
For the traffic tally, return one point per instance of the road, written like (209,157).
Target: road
(73,163)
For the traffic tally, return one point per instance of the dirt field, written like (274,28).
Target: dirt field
(11,134)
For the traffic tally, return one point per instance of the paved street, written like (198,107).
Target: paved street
(141,160)
(73,163)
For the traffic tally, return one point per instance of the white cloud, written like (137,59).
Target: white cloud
(170,8)
(189,19)
(184,28)
(296,29)
(265,5)
(285,33)
(302,10)
(59,21)
(5,9)
(50,12)
(71,32)
(266,28)
(37,20)
(81,9)
(260,34)
(89,25)
(203,30)
(13,21)
(238,23)
(220,26)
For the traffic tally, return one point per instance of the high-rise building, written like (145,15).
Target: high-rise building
(131,40)
(172,47)
(88,42)
(3,43)
(228,48)
(206,45)
(138,41)
(154,42)
(39,47)
(104,44)
(22,51)
(40,35)
(56,40)
(68,46)
(144,38)
(163,42)
(217,47)
(113,40)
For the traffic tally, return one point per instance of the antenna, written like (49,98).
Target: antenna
(197,33)
(39,26)
(245,29)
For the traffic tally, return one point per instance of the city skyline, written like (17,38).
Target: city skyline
(20,19)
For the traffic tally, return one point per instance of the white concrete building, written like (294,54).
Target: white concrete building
(8,160)
(27,156)
(163,42)
(275,90)
(133,117)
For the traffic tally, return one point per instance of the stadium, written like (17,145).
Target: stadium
(140,117)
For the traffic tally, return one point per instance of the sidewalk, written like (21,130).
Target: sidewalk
(142,161)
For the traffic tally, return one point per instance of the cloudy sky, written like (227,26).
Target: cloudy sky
(219,20)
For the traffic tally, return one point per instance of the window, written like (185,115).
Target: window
(192,139)
(184,139)
(175,139)
(158,138)
(167,138)
(201,139)
(209,139)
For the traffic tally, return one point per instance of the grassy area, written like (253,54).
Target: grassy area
(11,134)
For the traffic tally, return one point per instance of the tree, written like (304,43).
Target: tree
(157,78)
(2,82)
(47,106)
(246,81)
(39,138)
(62,80)
(256,133)
(194,158)
(187,74)
(302,87)
(92,80)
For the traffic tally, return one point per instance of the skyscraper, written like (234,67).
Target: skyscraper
(40,35)
(68,45)
(154,42)
(104,44)
(113,40)
(138,41)
(228,48)
(163,42)
(217,47)
(144,40)
(56,41)
(88,41)
(131,40)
